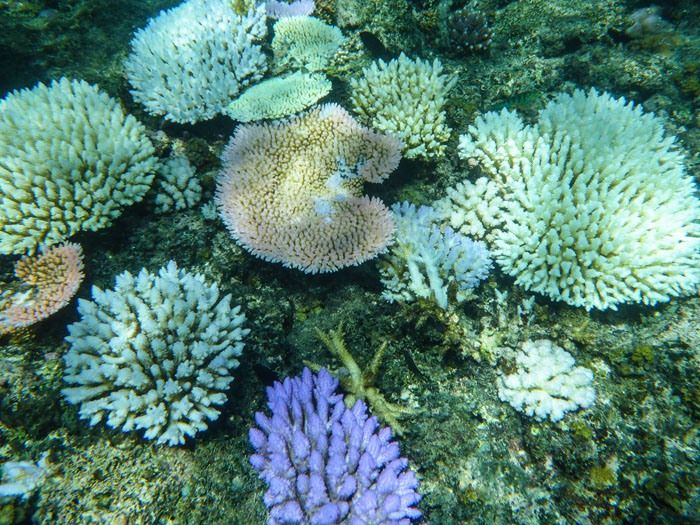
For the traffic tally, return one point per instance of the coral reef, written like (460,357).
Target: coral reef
(283,9)
(290,190)
(47,283)
(360,384)
(154,354)
(467,30)
(191,61)
(70,160)
(325,463)
(405,97)
(177,185)
(304,42)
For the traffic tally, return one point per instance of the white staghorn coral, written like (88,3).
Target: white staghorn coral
(591,205)
(154,354)
(429,263)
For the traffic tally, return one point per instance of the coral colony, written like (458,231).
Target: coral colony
(326,464)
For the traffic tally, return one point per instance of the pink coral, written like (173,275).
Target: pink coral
(291,190)
(48,282)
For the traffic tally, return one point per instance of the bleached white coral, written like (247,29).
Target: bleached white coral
(279,97)
(304,42)
(177,184)
(156,354)
(546,384)
(70,160)
(22,478)
(594,206)
(429,263)
(191,61)
(405,97)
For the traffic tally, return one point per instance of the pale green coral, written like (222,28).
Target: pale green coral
(405,97)
(304,42)
(279,97)
(70,160)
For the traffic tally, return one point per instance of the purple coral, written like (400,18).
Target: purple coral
(326,464)
(277,9)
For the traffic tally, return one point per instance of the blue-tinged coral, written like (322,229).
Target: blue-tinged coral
(154,354)
(326,464)
(22,478)
(428,262)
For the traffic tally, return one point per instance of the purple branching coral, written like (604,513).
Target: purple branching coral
(326,464)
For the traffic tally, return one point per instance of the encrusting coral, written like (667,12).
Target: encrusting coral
(279,97)
(70,160)
(290,191)
(591,205)
(48,282)
(156,353)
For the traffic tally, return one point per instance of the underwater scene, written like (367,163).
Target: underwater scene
(349,262)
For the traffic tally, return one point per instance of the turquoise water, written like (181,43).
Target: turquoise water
(433,363)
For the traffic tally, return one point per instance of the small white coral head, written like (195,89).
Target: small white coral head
(546,384)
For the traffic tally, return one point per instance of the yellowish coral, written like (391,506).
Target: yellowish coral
(405,97)
(291,190)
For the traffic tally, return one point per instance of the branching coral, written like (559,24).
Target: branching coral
(156,353)
(70,160)
(591,205)
(191,61)
(405,97)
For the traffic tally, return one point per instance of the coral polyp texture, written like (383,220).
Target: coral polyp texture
(178,187)
(47,283)
(279,97)
(591,205)
(546,384)
(304,42)
(428,262)
(70,160)
(290,191)
(154,354)
(191,61)
(326,464)
(405,97)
